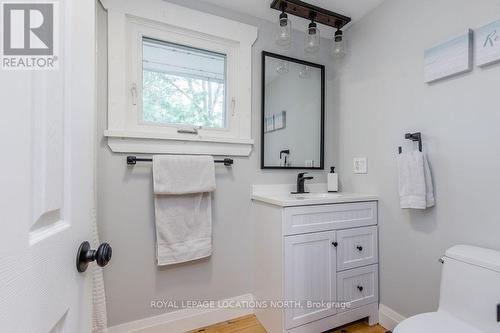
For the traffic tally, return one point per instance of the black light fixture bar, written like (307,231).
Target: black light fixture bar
(305,10)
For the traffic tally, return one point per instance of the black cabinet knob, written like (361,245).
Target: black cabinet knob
(335,244)
(85,255)
(360,248)
(360,288)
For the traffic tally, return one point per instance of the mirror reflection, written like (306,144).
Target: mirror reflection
(293,113)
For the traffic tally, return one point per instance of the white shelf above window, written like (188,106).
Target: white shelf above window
(161,143)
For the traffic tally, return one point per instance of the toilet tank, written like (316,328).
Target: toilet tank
(470,286)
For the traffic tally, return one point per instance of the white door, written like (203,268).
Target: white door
(310,276)
(46,181)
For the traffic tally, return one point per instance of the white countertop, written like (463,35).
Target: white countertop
(280,195)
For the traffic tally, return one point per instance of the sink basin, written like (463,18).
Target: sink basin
(304,196)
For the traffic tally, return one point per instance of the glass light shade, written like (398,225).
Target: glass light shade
(338,49)
(312,40)
(305,72)
(282,67)
(284,31)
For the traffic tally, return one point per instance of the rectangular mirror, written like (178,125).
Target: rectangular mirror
(293,113)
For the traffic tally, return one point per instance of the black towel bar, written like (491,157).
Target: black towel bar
(132,160)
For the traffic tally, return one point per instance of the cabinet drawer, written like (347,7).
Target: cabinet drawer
(306,219)
(358,286)
(357,247)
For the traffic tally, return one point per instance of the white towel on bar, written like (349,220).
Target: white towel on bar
(183,213)
(415,181)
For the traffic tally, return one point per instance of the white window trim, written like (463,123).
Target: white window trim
(128,21)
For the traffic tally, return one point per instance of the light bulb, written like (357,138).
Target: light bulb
(339,49)
(312,39)
(284,30)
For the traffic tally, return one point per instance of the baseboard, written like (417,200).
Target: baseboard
(389,318)
(185,319)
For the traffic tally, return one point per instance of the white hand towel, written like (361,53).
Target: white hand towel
(429,187)
(415,182)
(183,174)
(183,214)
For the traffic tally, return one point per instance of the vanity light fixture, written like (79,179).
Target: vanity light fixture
(338,49)
(284,30)
(316,15)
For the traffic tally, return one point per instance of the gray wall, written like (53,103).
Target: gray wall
(125,207)
(382,96)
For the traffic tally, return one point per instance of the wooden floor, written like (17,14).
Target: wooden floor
(250,324)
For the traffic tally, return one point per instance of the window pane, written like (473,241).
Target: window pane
(183,85)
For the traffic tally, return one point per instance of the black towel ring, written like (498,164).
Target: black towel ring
(415,137)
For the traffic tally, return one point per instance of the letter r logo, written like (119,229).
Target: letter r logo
(28,29)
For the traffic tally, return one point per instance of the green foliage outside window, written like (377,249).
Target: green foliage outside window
(171,99)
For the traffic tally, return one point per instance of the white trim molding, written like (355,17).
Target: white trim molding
(388,318)
(128,22)
(186,319)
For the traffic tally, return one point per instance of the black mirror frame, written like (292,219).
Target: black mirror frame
(263,98)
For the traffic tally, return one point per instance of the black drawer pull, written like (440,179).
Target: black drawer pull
(360,288)
(335,244)
(360,248)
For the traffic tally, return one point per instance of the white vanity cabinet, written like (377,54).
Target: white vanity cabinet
(323,256)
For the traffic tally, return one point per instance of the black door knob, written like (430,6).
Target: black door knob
(335,244)
(360,248)
(360,288)
(85,255)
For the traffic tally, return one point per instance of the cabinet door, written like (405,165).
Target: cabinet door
(310,277)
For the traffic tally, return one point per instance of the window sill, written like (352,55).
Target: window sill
(160,143)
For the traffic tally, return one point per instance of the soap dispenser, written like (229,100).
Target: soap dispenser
(333,181)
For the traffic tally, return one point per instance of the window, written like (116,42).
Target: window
(183,85)
(179,81)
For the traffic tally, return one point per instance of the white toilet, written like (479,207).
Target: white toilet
(469,300)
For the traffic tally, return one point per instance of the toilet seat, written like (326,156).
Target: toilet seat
(434,322)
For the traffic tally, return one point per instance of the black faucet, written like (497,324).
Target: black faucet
(300,183)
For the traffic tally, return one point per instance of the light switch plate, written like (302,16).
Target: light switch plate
(360,165)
